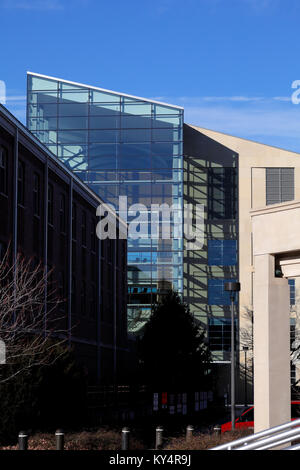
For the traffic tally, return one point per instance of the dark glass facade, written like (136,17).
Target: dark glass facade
(120,146)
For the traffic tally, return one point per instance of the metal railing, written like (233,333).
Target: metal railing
(268,439)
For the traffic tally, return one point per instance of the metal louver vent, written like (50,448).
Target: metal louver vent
(279,185)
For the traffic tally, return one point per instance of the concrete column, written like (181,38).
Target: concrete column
(272,395)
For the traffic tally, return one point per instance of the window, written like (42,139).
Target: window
(83,228)
(83,298)
(73,295)
(3,250)
(292,292)
(222,252)
(21,183)
(74,221)
(216,292)
(219,334)
(61,285)
(93,235)
(36,195)
(50,204)
(62,213)
(280,185)
(93,301)
(3,170)
(222,193)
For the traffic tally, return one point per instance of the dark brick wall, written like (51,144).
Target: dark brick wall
(93,283)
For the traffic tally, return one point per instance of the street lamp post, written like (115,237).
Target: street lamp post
(245,349)
(232,287)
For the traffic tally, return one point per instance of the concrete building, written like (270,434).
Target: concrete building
(248,176)
(49,215)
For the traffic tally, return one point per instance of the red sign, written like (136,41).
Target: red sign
(164,398)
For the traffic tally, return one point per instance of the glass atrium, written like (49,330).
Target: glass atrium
(119,145)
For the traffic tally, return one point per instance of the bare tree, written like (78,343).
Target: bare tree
(30,328)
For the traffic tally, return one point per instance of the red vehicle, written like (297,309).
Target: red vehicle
(246,420)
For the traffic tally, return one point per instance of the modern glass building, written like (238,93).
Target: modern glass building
(119,145)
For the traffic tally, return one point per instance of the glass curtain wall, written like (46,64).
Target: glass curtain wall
(119,146)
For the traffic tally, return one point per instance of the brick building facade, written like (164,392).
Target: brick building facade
(49,215)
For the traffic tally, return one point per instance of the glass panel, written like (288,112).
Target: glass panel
(73,123)
(136,192)
(159,109)
(167,121)
(166,134)
(103,136)
(222,252)
(134,150)
(36,124)
(135,122)
(80,96)
(46,137)
(73,109)
(41,97)
(102,150)
(72,151)
(76,163)
(102,176)
(107,122)
(72,137)
(216,292)
(166,149)
(103,162)
(104,109)
(37,83)
(137,108)
(103,97)
(47,110)
(141,162)
(68,86)
(108,193)
(162,162)
(136,135)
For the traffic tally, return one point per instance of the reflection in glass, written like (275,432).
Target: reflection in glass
(120,146)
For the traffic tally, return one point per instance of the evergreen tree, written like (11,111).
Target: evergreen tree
(173,350)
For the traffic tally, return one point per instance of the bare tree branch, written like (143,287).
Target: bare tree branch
(30,326)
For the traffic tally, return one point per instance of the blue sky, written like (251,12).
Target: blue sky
(230,63)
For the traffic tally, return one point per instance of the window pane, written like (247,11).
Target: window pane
(107,122)
(137,108)
(102,162)
(166,134)
(70,109)
(103,136)
(222,252)
(136,135)
(167,121)
(73,123)
(104,109)
(159,109)
(37,83)
(216,292)
(80,96)
(102,150)
(135,122)
(102,97)
(72,137)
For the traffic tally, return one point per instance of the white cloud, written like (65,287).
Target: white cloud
(247,121)
(16,98)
